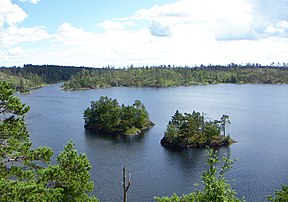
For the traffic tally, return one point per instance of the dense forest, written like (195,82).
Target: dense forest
(48,73)
(106,115)
(20,83)
(193,130)
(34,76)
(76,78)
(166,76)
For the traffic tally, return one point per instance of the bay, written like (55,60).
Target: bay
(259,117)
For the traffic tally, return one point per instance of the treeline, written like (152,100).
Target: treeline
(47,73)
(33,76)
(51,73)
(76,78)
(167,76)
(20,83)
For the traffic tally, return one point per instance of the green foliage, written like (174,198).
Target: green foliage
(215,185)
(70,175)
(21,82)
(25,173)
(166,76)
(193,130)
(280,195)
(224,121)
(76,78)
(42,73)
(107,115)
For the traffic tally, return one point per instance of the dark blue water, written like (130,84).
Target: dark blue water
(259,116)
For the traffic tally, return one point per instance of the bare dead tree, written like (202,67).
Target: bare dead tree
(125,185)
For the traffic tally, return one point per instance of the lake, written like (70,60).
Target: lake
(258,115)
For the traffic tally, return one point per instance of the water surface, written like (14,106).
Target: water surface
(259,116)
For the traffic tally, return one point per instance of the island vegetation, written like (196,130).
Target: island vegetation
(192,130)
(108,116)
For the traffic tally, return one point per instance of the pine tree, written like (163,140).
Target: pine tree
(26,173)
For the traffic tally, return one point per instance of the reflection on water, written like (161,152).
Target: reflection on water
(115,139)
(259,117)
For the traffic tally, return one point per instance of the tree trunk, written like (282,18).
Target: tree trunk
(125,187)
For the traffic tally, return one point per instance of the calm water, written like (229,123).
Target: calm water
(259,116)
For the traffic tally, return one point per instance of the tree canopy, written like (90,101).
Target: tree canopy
(26,173)
(193,130)
(167,76)
(107,115)
(280,195)
(76,78)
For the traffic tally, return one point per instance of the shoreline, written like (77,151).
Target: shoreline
(181,145)
(200,84)
(112,133)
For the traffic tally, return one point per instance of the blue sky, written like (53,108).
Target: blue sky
(85,14)
(120,33)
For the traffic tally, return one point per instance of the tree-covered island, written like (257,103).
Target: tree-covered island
(107,115)
(192,130)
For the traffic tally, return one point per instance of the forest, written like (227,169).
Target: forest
(166,76)
(76,78)
(106,115)
(193,130)
(35,76)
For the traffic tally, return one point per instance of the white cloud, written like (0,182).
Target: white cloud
(31,1)
(10,33)
(191,32)
(227,19)
(15,51)
(157,29)
(111,25)
(280,29)
(15,35)
(10,13)
(199,32)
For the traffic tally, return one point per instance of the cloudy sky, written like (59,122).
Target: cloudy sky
(144,32)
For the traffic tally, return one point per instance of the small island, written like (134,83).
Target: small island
(107,116)
(192,130)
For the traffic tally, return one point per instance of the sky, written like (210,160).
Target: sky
(99,33)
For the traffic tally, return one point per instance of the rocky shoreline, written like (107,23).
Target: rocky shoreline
(224,141)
